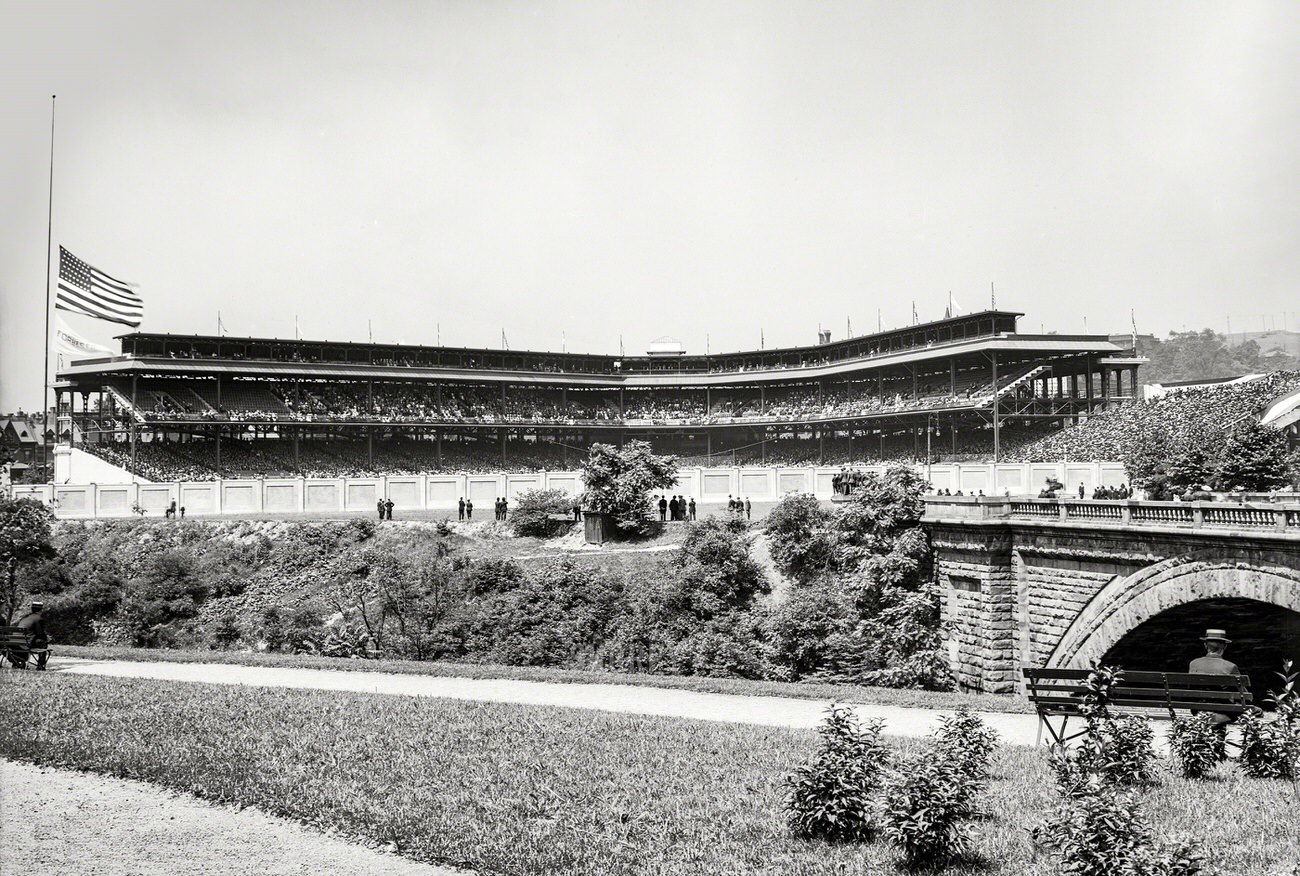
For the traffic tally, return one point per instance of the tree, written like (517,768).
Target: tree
(533,510)
(619,482)
(1254,457)
(24,541)
(802,546)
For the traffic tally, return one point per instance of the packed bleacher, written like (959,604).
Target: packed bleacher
(1185,419)
(263,401)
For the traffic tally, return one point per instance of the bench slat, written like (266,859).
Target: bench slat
(1181,679)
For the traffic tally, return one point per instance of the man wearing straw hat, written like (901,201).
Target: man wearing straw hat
(1216,642)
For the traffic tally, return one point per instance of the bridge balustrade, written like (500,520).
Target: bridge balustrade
(1033,509)
(1192,515)
(1093,511)
(1161,513)
(1238,516)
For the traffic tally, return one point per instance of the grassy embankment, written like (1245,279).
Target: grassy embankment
(538,790)
(844,693)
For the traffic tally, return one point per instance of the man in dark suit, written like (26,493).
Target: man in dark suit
(388,508)
(672,509)
(469,509)
(460,510)
(380,506)
(663,508)
(1216,643)
(691,508)
(34,623)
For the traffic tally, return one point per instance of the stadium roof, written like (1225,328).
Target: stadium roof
(949,322)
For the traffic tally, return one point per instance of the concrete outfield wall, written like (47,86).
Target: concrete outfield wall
(116,497)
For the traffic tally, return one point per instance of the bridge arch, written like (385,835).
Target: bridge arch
(1125,603)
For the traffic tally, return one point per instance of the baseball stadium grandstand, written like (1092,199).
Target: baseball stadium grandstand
(191,407)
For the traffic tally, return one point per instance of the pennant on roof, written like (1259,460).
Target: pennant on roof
(87,290)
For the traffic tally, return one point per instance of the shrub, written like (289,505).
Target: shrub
(1103,832)
(494,575)
(532,510)
(1197,745)
(966,742)
(802,546)
(225,631)
(830,798)
(926,802)
(800,627)
(1265,749)
(1119,750)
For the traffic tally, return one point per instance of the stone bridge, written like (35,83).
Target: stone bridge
(1060,583)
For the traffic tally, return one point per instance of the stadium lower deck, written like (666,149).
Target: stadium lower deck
(173,406)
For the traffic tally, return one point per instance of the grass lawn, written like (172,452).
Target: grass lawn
(845,693)
(539,790)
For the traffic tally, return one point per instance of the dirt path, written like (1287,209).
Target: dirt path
(768,711)
(57,822)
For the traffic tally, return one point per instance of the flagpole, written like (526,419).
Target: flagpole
(45,363)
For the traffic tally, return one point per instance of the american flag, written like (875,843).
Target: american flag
(87,290)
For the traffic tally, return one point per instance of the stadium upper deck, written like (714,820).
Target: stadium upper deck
(964,373)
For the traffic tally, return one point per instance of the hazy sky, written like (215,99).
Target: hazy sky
(594,170)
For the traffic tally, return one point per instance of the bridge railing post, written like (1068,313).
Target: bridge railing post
(1062,510)
(1126,513)
(1198,515)
(1279,518)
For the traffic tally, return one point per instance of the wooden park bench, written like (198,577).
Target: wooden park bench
(1060,693)
(16,648)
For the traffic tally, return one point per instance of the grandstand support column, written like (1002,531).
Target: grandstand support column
(1089,388)
(952,376)
(997,426)
(296,466)
(437,436)
(762,400)
(135,424)
(502,433)
(370,446)
(218,451)
(821,446)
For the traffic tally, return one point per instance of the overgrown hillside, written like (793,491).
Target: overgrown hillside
(697,599)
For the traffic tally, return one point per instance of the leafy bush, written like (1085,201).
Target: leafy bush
(558,614)
(226,632)
(1119,750)
(1103,832)
(1197,744)
(799,628)
(897,643)
(926,803)
(830,798)
(1266,749)
(714,569)
(494,575)
(801,544)
(967,742)
(530,516)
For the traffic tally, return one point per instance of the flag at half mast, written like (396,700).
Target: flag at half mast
(86,290)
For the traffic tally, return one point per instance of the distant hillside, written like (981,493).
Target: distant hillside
(1285,342)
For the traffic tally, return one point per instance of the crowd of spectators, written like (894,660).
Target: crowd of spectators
(1189,419)
(249,401)
(198,460)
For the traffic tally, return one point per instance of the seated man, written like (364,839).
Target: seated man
(34,623)
(1216,643)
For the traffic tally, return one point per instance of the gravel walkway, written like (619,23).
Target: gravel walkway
(56,822)
(768,711)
